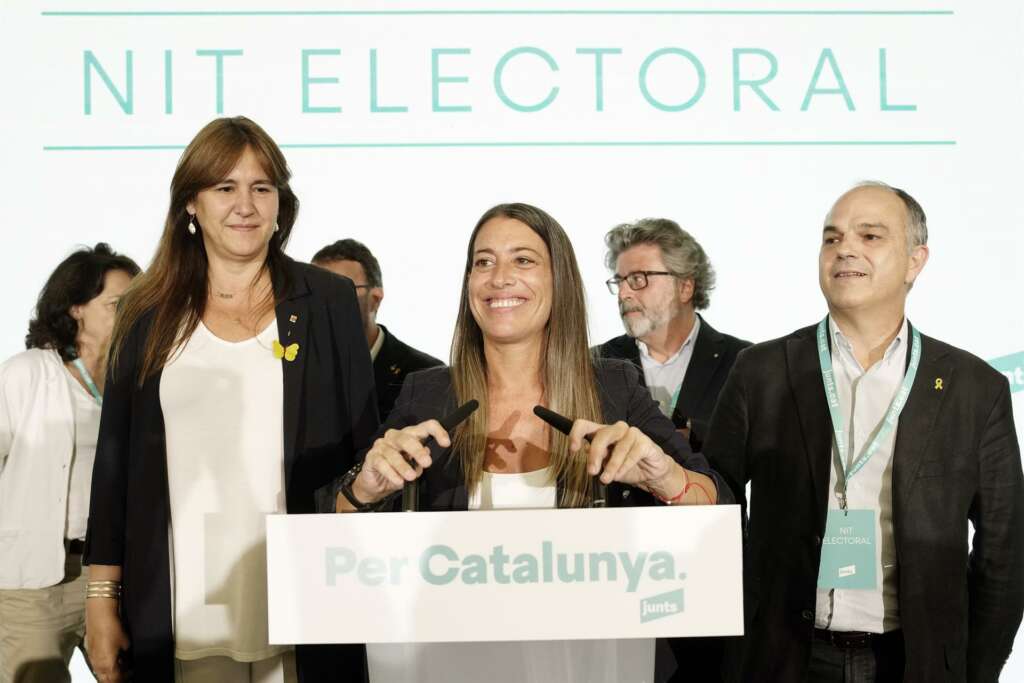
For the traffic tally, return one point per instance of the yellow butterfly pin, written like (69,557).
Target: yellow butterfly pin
(287,352)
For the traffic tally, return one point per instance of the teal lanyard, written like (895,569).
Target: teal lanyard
(675,400)
(891,415)
(87,378)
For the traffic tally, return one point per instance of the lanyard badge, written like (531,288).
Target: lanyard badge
(848,549)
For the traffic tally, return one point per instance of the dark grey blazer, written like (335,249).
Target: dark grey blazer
(956,462)
(394,361)
(713,356)
(427,394)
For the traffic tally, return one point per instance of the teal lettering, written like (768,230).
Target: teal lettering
(545,548)
(219,56)
(90,63)
(397,565)
(474,569)
(663,566)
(168,82)
(436,79)
(698,67)
(498,560)
(438,579)
(372,571)
(308,80)
(577,573)
(610,566)
(499,87)
(338,561)
(840,89)
(526,569)
(883,85)
(599,53)
(755,83)
(374,105)
(634,570)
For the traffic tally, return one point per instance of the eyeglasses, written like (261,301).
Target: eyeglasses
(636,280)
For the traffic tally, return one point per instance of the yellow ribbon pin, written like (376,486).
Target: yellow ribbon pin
(938,383)
(287,352)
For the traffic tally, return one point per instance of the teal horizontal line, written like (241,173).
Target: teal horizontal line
(547,143)
(502,12)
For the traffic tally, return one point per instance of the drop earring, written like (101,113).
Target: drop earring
(277,227)
(191,225)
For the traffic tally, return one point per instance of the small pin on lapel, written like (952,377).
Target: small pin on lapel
(293,318)
(716,355)
(938,384)
(395,369)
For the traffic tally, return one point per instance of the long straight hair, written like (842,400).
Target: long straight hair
(175,286)
(567,372)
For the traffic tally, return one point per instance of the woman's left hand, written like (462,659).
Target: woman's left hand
(621,453)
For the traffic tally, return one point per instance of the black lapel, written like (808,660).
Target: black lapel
(809,394)
(917,421)
(707,356)
(381,374)
(292,326)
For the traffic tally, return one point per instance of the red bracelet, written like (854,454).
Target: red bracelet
(687,484)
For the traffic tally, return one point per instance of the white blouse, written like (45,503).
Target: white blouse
(222,405)
(542,661)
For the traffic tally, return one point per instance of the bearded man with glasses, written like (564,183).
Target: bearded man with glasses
(662,277)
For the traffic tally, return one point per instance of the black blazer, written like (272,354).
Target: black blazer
(428,394)
(713,356)
(394,361)
(330,411)
(956,460)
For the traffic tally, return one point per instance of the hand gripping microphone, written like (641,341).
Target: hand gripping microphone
(410,492)
(563,424)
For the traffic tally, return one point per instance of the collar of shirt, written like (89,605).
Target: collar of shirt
(377,343)
(839,341)
(690,340)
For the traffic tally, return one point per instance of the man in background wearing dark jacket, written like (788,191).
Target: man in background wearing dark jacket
(392,359)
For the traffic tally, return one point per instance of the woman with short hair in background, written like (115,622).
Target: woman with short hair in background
(240,383)
(50,398)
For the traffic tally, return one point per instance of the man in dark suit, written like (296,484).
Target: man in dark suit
(857,564)
(392,359)
(662,278)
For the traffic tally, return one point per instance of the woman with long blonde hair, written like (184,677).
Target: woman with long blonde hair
(521,340)
(240,383)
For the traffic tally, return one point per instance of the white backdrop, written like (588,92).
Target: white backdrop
(90,142)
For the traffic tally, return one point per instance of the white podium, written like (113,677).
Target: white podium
(523,574)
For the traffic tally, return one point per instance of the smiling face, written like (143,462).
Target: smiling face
(510,281)
(237,215)
(864,264)
(647,310)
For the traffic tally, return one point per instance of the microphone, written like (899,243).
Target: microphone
(599,490)
(410,491)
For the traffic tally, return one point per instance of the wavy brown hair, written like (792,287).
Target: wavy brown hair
(565,355)
(175,286)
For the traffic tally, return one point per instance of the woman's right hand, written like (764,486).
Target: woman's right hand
(397,457)
(105,639)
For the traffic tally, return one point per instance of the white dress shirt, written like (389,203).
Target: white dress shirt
(665,379)
(864,398)
(37,446)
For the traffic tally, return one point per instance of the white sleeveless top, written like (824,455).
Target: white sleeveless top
(223,405)
(565,661)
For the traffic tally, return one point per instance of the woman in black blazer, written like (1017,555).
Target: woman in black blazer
(221,311)
(520,341)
